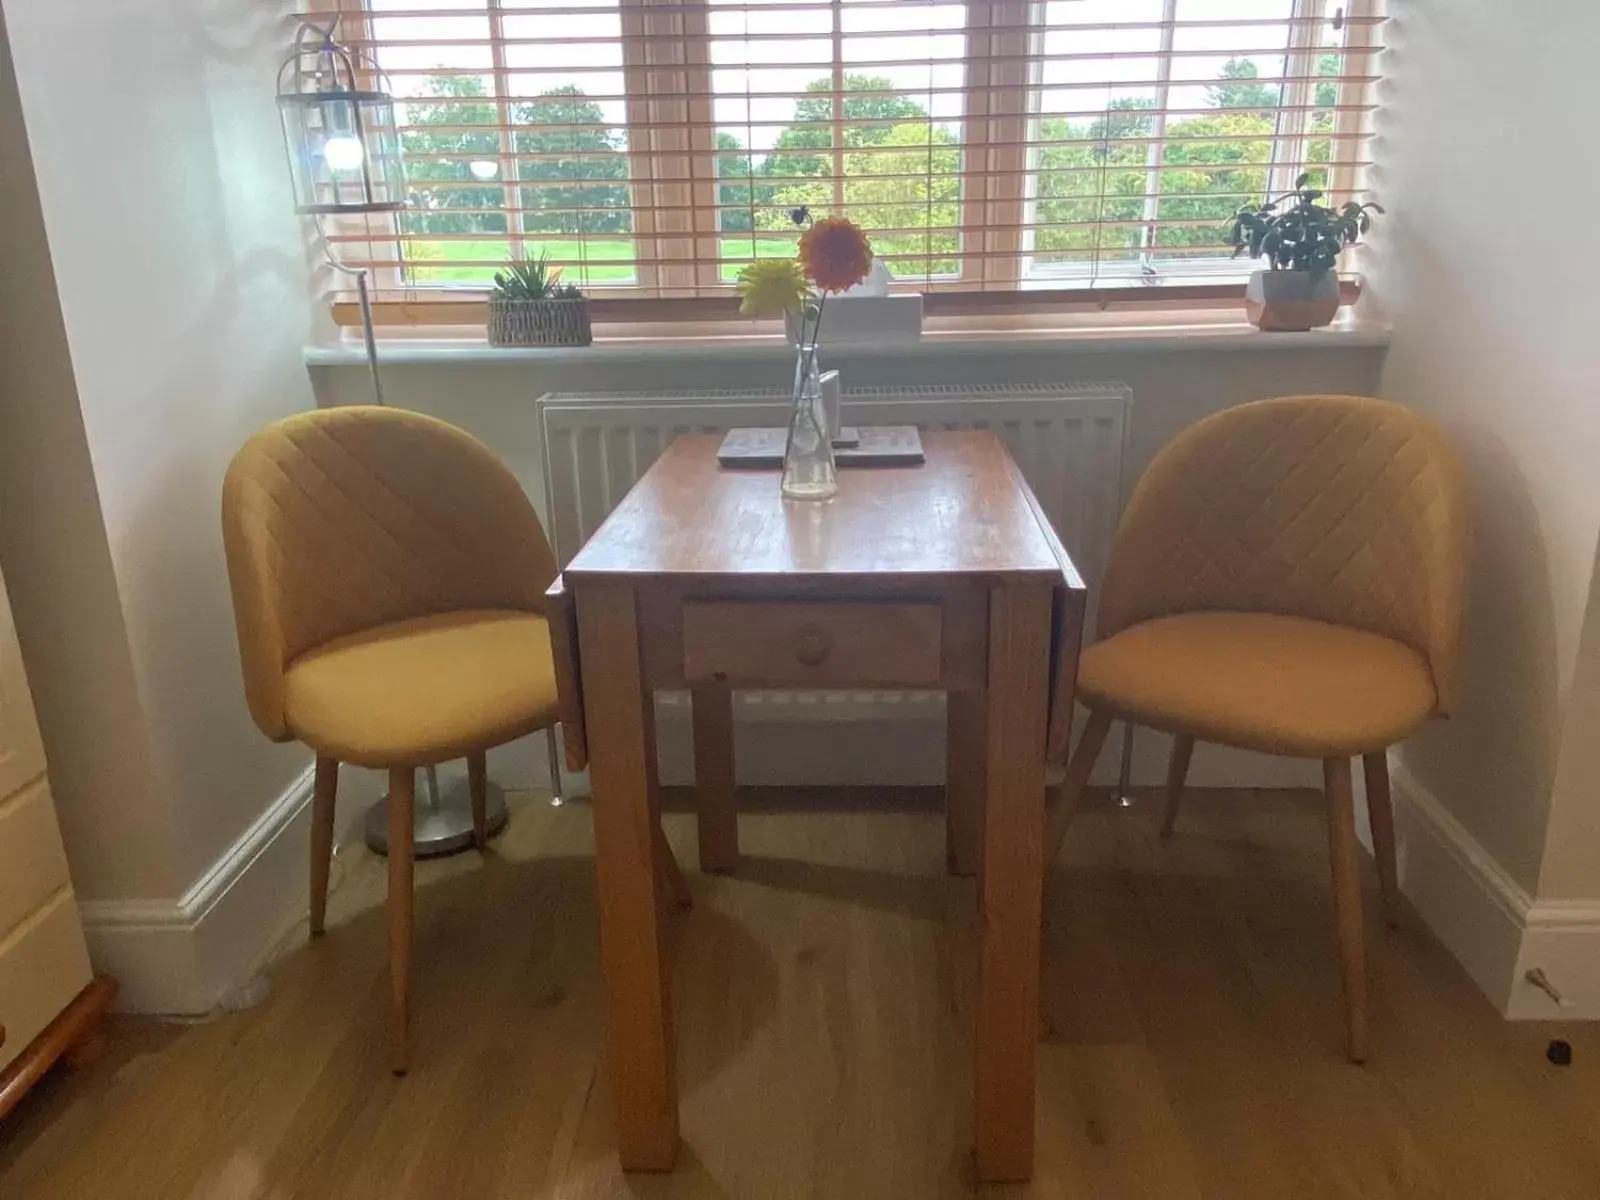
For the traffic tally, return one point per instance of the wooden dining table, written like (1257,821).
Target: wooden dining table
(941,576)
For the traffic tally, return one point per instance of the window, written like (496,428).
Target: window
(652,147)
(852,107)
(515,131)
(1158,119)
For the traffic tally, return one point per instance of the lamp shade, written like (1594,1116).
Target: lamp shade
(339,129)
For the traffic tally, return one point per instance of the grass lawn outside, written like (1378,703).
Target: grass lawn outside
(591,261)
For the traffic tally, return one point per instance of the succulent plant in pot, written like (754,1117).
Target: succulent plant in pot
(1302,240)
(531,306)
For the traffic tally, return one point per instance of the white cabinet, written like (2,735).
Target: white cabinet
(21,755)
(48,999)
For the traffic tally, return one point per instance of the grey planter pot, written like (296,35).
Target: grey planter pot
(1291,301)
(539,323)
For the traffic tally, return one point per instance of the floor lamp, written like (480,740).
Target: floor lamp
(344,161)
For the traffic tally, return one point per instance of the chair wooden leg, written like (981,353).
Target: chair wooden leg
(1177,772)
(322,810)
(478,787)
(1063,803)
(1380,813)
(1347,902)
(669,872)
(402,801)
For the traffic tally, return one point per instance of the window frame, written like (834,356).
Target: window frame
(675,194)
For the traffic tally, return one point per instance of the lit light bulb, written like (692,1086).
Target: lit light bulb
(343,153)
(484,169)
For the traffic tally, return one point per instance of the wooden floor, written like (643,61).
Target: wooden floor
(1191,1045)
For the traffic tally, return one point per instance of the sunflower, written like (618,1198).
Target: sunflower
(835,254)
(770,287)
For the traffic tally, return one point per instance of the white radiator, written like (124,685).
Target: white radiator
(1068,440)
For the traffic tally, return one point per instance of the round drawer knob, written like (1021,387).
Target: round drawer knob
(812,646)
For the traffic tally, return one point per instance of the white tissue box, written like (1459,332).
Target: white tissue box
(863,320)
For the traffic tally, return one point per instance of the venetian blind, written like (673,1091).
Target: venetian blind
(652,147)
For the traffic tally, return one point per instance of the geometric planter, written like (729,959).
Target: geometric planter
(1291,301)
(539,323)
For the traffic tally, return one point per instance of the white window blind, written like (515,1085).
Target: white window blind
(652,147)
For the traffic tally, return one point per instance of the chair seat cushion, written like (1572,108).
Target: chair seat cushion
(1284,685)
(424,690)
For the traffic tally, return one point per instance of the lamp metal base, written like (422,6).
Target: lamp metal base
(442,828)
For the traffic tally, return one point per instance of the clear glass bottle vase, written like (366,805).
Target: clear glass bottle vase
(809,471)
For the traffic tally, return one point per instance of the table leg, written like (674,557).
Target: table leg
(714,778)
(965,735)
(640,1047)
(672,890)
(1013,882)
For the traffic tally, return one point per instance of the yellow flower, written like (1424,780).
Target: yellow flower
(835,254)
(770,287)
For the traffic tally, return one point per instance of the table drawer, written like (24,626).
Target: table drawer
(840,644)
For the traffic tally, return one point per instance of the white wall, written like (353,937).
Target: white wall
(1174,384)
(180,271)
(1572,842)
(53,544)
(1175,380)
(1495,310)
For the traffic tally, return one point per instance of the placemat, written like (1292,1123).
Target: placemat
(877,446)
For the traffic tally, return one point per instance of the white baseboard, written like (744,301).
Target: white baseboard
(182,956)
(1488,920)
(1562,939)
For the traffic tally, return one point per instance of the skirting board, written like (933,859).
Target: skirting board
(183,956)
(1487,919)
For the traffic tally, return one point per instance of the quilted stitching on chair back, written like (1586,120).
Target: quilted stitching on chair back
(1337,508)
(341,520)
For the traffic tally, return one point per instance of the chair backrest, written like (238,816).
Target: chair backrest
(341,520)
(1341,509)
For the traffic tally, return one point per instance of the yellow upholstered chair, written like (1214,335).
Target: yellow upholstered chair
(1287,578)
(388,579)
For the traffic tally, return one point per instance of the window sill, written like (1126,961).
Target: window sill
(741,345)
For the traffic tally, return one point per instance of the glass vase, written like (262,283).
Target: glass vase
(809,472)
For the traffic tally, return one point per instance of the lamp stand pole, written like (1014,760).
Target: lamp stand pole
(332,98)
(443,821)
(1124,794)
(369,334)
(367,331)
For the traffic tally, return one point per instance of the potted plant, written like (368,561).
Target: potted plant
(1302,243)
(530,306)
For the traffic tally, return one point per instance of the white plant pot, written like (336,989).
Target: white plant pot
(865,320)
(1291,301)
